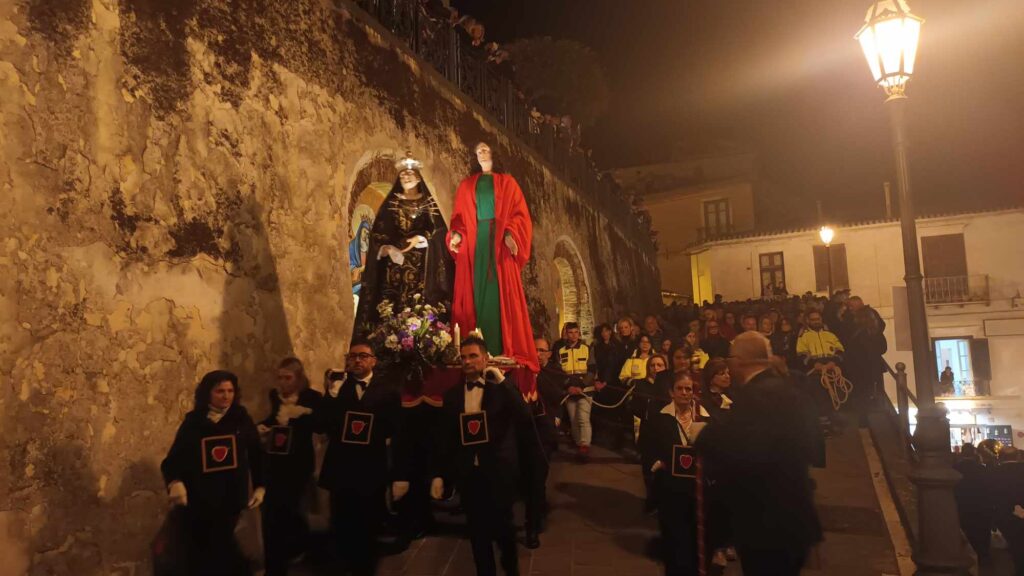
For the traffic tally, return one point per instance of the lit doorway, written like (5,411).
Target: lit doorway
(955,354)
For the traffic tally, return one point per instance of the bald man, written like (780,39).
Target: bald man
(760,451)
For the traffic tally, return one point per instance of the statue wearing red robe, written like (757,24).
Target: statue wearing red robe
(511,218)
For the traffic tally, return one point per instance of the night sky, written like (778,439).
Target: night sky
(786,79)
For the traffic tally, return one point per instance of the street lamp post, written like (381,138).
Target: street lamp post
(826,233)
(889,39)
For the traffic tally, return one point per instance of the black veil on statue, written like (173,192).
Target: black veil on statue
(431,273)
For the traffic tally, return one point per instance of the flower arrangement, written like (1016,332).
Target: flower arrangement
(415,335)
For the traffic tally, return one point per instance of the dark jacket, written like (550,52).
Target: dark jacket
(226,490)
(716,346)
(761,449)
(358,469)
(659,437)
(511,436)
(552,387)
(291,470)
(620,351)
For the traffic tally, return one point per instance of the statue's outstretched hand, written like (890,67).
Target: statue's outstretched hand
(453,244)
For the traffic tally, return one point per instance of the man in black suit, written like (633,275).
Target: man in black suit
(485,429)
(552,385)
(358,415)
(761,449)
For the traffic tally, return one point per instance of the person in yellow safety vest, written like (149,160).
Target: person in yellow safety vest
(817,346)
(820,350)
(574,359)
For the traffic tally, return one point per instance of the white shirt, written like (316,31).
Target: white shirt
(336,385)
(475,397)
(692,431)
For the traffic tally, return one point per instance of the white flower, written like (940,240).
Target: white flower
(416,297)
(413,324)
(443,339)
(392,343)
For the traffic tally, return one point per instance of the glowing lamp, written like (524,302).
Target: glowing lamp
(826,234)
(889,39)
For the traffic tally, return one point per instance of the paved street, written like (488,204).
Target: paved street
(597,527)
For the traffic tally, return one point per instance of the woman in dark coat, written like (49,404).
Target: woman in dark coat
(671,459)
(649,395)
(288,435)
(207,470)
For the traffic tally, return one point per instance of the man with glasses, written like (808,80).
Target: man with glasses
(551,389)
(358,415)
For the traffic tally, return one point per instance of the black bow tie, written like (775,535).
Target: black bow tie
(474,384)
(362,385)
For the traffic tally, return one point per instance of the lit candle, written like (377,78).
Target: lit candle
(458,338)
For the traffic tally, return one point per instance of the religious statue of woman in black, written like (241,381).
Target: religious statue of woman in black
(407,253)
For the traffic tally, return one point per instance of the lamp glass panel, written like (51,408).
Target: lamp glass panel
(889,36)
(867,44)
(911,35)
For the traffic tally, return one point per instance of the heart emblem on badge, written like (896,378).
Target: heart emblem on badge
(279,440)
(219,453)
(686,461)
(358,426)
(474,427)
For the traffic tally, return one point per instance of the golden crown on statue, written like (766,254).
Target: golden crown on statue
(408,163)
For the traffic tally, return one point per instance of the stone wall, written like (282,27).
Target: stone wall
(175,180)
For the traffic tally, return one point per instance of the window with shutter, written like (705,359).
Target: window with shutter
(840,275)
(773,273)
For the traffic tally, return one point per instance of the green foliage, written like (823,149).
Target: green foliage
(560,77)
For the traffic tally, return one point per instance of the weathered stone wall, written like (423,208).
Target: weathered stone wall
(174,185)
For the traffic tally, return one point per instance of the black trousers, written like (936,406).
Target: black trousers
(536,498)
(285,531)
(1013,530)
(678,524)
(415,515)
(771,562)
(356,516)
(489,521)
(212,549)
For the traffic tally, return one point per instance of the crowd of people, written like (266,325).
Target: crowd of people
(988,498)
(714,403)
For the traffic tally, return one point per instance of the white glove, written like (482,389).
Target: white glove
(399,489)
(492,374)
(558,421)
(177,494)
(1018,511)
(453,245)
(290,411)
(262,429)
(657,466)
(437,488)
(257,498)
(416,242)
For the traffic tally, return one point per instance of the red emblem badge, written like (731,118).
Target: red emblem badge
(686,461)
(358,426)
(474,427)
(280,439)
(219,453)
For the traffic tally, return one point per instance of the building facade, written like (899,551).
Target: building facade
(688,201)
(974,277)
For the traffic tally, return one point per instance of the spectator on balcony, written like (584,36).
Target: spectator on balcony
(946,379)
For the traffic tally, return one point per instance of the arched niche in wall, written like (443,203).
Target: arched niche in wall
(372,184)
(573,295)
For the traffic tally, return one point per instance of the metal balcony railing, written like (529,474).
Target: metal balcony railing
(710,233)
(956,289)
(426,29)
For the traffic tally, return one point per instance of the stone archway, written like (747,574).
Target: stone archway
(573,299)
(371,186)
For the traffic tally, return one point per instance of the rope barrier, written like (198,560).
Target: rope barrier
(837,386)
(590,389)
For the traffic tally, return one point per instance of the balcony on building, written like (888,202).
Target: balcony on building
(970,289)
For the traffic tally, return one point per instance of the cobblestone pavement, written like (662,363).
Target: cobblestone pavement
(597,526)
